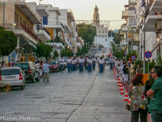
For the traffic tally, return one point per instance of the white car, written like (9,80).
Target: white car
(14,76)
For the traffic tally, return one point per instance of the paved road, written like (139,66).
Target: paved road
(68,97)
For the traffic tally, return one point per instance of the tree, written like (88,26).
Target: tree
(43,50)
(134,53)
(119,54)
(8,42)
(66,53)
(117,38)
(87,32)
(56,54)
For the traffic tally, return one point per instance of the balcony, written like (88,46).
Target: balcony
(66,28)
(55,25)
(123,42)
(22,31)
(43,34)
(124,14)
(135,42)
(151,20)
(132,22)
(124,28)
(131,13)
(156,5)
(131,7)
(132,2)
(34,18)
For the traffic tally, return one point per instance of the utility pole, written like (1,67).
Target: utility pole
(144,37)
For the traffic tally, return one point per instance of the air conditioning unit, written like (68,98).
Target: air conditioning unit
(159,25)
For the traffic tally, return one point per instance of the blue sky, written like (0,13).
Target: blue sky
(83,9)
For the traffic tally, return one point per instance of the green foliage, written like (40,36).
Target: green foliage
(113,47)
(152,64)
(117,38)
(119,54)
(66,53)
(55,54)
(159,61)
(132,53)
(82,51)
(43,50)
(87,32)
(8,42)
(138,61)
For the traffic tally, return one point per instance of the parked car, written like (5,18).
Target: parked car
(14,76)
(62,65)
(107,61)
(30,70)
(54,66)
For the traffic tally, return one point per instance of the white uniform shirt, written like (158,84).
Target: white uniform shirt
(61,61)
(81,60)
(90,61)
(94,60)
(101,61)
(69,60)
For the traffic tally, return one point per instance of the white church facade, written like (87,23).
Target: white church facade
(101,37)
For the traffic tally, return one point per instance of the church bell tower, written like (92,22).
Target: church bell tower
(96,19)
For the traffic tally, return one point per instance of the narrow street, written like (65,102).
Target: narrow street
(68,97)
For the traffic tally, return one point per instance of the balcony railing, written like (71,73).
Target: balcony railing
(124,14)
(30,33)
(46,31)
(132,2)
(12,27)
(150,2)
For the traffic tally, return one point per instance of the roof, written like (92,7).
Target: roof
(10,68)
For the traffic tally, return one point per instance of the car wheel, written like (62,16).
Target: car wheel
(23,86)
(38,78)
(33,79)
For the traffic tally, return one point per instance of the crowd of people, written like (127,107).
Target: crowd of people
(85,63)
(145,97)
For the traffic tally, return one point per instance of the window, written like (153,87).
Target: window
(106,40)
(45,20)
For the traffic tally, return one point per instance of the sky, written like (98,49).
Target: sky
(83,9)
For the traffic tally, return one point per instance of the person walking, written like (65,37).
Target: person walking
(101,63)
(138,105)
(89,68)
(69,64)
(155,93)
(81,61)
(46,71)
(94,62)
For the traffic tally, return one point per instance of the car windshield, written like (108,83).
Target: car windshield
(10,72)
(23,66)
(106,59)
(52,63)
